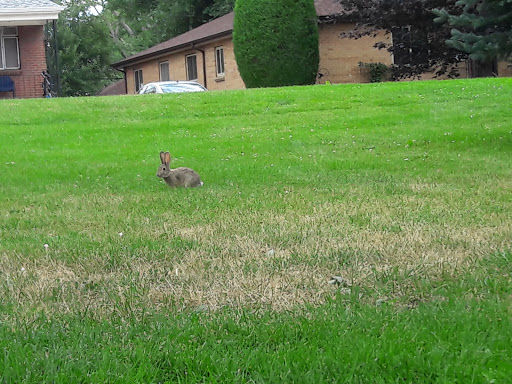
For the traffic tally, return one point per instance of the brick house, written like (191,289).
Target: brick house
(206,54)
(22,45)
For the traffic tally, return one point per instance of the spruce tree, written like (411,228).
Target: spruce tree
(483,29)
(276,42)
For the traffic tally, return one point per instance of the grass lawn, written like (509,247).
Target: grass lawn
(403,191)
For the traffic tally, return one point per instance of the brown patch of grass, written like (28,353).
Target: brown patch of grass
(265,259)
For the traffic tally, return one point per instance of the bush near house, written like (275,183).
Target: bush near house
(276,42)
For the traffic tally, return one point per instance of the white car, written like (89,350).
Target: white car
(171,87)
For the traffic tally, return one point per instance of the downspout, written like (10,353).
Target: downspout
(57,64)
(204,64)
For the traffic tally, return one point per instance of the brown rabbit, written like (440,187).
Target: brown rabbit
(178,177)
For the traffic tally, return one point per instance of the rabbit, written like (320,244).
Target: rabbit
(178,177)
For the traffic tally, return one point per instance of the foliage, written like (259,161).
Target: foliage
(377,71)
(421,44)
(86,51)
(276,42)
(155,21)
(483,29)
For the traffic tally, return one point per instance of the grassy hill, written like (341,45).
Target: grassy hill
(403,190)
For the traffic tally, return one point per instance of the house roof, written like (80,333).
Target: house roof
(27,4)
(117,88)
(329,8)
(219,27)
(28,12)
(222,26)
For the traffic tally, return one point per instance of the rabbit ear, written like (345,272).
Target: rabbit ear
(162,157)
(167,157)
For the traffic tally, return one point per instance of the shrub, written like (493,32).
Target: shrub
(276,42)
(377,71)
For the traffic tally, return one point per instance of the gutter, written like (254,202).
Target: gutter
(29,15)
(204,63)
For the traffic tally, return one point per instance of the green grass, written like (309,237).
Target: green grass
(403,189)
(461,336)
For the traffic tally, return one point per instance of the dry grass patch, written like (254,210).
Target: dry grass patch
(262,258)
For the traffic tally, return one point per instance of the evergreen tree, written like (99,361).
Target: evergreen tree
(483,29)
(276,42)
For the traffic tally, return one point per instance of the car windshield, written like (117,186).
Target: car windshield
(177,88)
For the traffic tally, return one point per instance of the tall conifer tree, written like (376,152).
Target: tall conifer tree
(276,42)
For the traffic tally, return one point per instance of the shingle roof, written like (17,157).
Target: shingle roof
(27,4)
(328,8)
(117,88)
(217,28)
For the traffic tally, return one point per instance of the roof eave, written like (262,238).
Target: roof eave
(29,16)
(337,18)
(122,64)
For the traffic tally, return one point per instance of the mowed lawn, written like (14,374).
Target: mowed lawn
(344,233)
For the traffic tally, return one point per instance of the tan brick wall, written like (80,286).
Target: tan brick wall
(339,58)
(177,67)
(27,79)
(505,69)
(232,78)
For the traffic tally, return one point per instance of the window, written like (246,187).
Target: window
(137,74)
(191,67)
(219,61)
(9,50)
(164,71)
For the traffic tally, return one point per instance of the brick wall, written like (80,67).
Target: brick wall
(27,79)
(339,58)
(177,67)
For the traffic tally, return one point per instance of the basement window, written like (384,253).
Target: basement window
(9,48)
(191,63)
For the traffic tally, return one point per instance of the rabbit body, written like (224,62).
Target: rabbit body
(177,177)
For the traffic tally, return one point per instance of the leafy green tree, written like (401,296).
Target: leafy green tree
(276,42)
(86,50)
(483,29)
(138,24)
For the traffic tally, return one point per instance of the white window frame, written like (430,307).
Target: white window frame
(164,71)
(3,37)
(188,69)
(219,62)
(138,79)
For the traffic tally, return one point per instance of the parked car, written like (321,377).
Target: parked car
(171,87)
